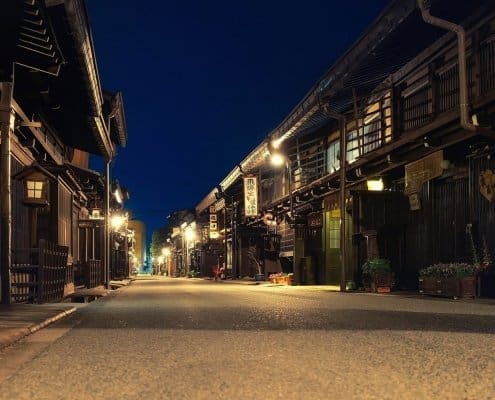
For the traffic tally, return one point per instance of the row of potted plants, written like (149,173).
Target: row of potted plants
(454,279)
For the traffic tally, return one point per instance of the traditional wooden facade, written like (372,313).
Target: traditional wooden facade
(54,114)
(411,105)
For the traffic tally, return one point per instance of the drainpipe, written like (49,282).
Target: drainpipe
(424,6)
(107,243)
(108,253)
(343,152)
(6,122)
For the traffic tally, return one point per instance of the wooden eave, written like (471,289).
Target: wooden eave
(70,21)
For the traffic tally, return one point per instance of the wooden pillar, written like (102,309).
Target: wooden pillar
(6,128)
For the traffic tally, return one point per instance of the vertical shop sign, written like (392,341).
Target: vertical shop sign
(250,196)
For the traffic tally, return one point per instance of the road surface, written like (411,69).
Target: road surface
(197,339)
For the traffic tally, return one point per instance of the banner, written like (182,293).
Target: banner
(250,196)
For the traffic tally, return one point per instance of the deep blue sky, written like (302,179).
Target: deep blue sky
(205,81)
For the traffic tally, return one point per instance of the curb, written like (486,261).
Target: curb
(49,321)
(24,332)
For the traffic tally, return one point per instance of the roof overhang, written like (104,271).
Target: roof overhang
(28,38)
(78,88)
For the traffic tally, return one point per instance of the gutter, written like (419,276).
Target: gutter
(424,6)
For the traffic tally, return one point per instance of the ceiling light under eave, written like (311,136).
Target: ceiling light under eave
(375,184)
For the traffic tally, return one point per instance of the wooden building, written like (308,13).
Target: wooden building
(411,105)
(53,115)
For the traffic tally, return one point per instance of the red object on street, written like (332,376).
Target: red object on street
(216,272)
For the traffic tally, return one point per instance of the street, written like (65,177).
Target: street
(197,339)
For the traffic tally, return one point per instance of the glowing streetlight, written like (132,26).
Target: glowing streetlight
(166,255)
(117,221)
(190,234)
(277,159)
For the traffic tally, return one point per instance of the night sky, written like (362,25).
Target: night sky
(205,81)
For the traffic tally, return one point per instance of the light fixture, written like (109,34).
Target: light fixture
(275,143)
(277,159)
(166,251)
(96,214)
(35,192)
(190,234)
(375,184)
(117,221)
(35,189)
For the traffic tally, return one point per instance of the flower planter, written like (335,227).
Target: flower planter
(378,283)
(448,287)
(281,280)
(259,277)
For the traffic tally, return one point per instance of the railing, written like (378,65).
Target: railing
(43,279)
(487,65)
(417,98)
(92,273)
(120,265)
(24,283)
(51,271)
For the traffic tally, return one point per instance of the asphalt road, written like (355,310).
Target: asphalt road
(194,339)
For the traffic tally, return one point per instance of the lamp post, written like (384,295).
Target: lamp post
(190,235)
(277,160)
(166,255)
(117,224)
(160,262)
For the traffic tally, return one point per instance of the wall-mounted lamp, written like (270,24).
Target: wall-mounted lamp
(36,190)
(375,184)
(96,214)
(35,185)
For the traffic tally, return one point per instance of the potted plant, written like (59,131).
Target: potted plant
(252,255)
(377,275)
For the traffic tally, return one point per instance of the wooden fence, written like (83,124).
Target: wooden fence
(93,273)
(44,277)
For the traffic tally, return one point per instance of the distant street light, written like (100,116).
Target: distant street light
(166,254)
(117,221)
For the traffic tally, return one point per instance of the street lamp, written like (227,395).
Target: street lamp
(190,236)
(117,221)
(160,262)
(166,255)
(277,159)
